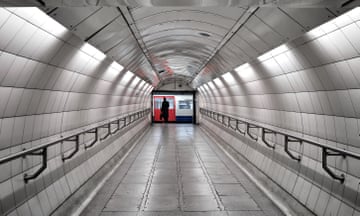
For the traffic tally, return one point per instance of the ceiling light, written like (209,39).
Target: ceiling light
(204,34)
(117,66)
(242,67)
(128,75)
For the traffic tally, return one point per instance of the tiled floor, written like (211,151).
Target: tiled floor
(176,170)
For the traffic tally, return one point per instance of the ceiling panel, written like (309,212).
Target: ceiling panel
(226,12)
(111,36)
(71,17)
(251,38)
(169,34)
(280,22)
(96,21)
(185,16)
(245,46)
(263,31)
(192,43)
(311,18)
(106,29)
(197,27)
(166,31)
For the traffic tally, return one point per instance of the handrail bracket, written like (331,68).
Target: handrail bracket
(108,127)
(248,127)
(325,154)
(263,136)
(286,147)
(230,125)
(96,132)
(77,143)
(117,123)
(243,132)
(124,120)
(43,153)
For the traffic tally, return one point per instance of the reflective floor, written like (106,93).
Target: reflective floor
(177,170)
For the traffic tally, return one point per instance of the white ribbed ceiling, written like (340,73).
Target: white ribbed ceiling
(188,41)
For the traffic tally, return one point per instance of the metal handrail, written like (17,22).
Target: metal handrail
(41,150)
(327,150)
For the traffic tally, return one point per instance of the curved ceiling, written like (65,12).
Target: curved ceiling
(187,40)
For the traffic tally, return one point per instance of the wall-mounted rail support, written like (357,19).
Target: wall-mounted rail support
(217,118)
(207,113)
(117,123)
(223,117)
(248,128)
(263,136)
(230,120)
(123,120)
(42,152)
(77,144)
(288,140)
(327,150)
(108,133)
(93,131)
(325,153)
(238,123)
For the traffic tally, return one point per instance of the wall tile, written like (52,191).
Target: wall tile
(9,30)
(19,41)
(333,206)
(352,32)
(44,202)
(340,130)
(355,67)
(23,210)
(6,60)
(347,75)
(4,15)
(6,132)
(7,196)
(5,168)
(5,93)
(313,197)
(355,97)
(13,102)
(14,72)
(346,49)
(19,125)
(35,206)
(321,204)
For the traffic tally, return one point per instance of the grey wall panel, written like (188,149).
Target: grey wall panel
(276,19)
(71,20)
(311,18)
(256,25)
(52,83)
(96,21)
(309,87)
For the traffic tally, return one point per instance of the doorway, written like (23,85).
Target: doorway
(181,106)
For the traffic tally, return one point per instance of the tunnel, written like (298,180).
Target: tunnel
(263,107)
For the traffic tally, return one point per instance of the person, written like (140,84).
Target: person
(165,110)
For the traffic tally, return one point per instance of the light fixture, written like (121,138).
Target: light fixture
(242,67)
(204,34)
(128,75)
(117,66)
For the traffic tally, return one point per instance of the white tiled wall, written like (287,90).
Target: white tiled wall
(311,88)
(50,83)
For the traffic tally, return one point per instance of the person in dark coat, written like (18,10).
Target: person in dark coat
(165,110)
